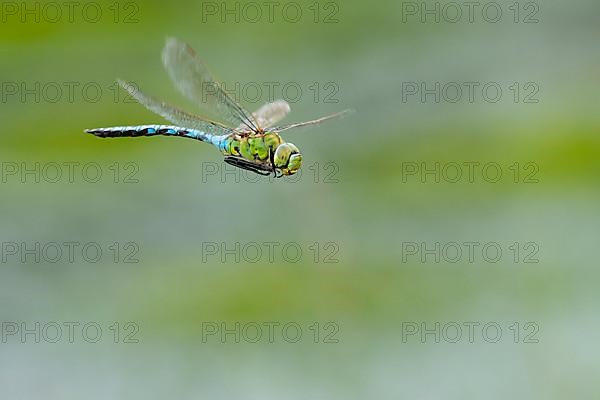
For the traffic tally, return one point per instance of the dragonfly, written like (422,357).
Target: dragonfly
(250,141)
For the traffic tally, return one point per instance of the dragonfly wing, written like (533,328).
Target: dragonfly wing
(194,81)
(312,123)
(270,114)
(173,114)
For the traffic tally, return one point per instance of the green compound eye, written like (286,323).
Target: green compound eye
(283,154)
(295,163)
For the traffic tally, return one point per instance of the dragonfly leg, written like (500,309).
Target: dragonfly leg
(273,169)
(246,165)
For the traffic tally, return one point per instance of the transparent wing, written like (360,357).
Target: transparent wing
(173,114)
(270,114)
(194,81)
(312,123)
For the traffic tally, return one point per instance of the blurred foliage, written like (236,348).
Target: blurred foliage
(369,210)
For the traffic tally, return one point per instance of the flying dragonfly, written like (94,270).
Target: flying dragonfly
(250,141)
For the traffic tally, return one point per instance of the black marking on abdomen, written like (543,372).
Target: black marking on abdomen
(128,131)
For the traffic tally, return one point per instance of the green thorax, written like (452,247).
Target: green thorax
(254,147)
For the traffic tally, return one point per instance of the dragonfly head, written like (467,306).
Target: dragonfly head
(287,159)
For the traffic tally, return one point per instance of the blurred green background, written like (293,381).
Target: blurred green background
(362,205)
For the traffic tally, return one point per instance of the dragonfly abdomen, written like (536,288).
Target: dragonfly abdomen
(152,130)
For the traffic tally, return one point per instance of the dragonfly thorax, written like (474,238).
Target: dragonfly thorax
(267,149)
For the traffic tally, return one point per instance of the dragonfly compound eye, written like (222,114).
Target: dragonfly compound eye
(295,163)
(283,154)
